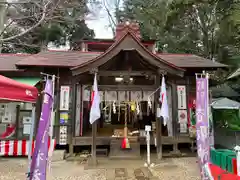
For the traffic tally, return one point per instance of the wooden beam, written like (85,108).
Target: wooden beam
(175,118)
(126,87)
(93,161)
(158,121)
(71,129)
(125,73)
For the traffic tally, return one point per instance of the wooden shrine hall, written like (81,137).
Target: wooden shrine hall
(129,72)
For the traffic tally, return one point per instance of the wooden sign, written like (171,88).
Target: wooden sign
(63,135)
(183,119)
(136,96)
(64,98)
(182,116)
(181,91)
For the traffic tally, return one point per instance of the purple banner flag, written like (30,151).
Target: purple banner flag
(40,154)
(202,125)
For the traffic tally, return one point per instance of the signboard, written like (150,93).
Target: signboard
(182,118)
(202,125)
(63,118)
(181,91)
(63,135)
(64,98)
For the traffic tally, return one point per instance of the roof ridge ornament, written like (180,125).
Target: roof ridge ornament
(128,26)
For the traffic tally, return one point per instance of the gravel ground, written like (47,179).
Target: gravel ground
(168,169)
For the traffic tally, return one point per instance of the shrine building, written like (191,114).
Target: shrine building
(129,72)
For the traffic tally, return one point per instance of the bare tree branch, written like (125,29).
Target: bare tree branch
(112,20)
(23,44)
(44,14)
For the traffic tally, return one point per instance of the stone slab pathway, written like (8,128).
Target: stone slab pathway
(168,169)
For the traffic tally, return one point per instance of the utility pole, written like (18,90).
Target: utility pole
(3,8)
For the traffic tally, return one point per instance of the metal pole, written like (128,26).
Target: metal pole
(51,127)
(148,163)
(31,139)
(52,113)
(148,148)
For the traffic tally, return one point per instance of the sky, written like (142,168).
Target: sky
(99,20)
(100,27)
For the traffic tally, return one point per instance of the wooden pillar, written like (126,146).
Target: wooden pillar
(73,112)
(187,94)
(17,121)
(57,115)
(158,120)
(93,161)
(175,119)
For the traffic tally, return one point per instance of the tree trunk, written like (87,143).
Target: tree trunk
(2,21)
(44,46)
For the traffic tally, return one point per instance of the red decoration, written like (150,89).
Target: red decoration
(217,172)
(19,147)
(12,90)
(234,164)
(182,116)
(125,143)
(9,131)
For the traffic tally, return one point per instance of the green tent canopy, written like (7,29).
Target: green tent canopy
(225,103)
(32,81)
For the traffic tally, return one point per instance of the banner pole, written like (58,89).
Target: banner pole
(40,154)
(52,109)
(52,116)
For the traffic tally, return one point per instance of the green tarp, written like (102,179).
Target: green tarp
(32,81)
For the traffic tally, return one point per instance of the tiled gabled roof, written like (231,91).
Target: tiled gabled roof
(75,58)
(128,41)
(8,61)
(190,61)
(58,58)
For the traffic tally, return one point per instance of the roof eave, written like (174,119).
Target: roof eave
(44,65)
(82,67)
